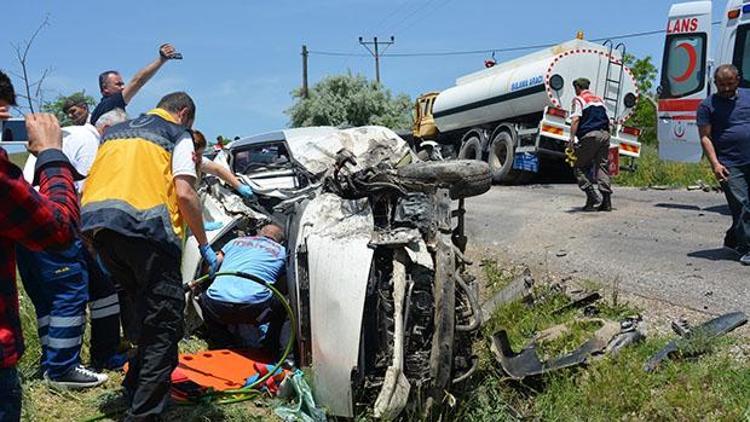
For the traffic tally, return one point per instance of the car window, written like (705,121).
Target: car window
(254,158)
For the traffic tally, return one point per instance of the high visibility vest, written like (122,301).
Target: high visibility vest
(594,113)
(129,188)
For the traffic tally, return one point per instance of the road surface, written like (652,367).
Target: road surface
(664,245)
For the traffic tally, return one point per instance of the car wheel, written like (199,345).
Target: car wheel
(463,178)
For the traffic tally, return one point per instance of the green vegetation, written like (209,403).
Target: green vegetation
(711,387)
(19,158)
(42,403)
(349,100)
(651,171)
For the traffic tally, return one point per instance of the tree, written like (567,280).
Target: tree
(56,107)
(32,90)
(644,115)
(349,100)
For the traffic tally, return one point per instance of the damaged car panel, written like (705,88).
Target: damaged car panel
(527,363)
(696,340)
(374,271)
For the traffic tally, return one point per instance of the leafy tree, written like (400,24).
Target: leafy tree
(349,100)
(56,107)
(644,115)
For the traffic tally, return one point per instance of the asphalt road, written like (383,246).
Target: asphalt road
(663,245)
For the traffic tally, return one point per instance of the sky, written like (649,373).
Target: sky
(242,58)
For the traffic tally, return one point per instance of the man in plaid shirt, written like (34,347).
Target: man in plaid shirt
(36,220)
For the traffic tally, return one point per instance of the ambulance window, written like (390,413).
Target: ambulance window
(741,57)
(684,65)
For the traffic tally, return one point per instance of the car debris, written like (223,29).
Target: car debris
(630,333)
(527,362)
(375,274)
(578,299)
(696,340)
(521,288)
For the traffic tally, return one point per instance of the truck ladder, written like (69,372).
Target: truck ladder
(614,78)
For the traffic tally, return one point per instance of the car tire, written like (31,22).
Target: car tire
(463,178)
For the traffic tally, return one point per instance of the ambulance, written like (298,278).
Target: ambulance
(687,70)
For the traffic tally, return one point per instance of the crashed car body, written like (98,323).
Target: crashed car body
(375,269)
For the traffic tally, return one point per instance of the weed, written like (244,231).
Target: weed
(651,171)
(712,386)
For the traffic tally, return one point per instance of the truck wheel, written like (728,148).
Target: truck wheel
(464,178)
(471,149)
(501,157)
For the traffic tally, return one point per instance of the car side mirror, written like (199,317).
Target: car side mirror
(659,90)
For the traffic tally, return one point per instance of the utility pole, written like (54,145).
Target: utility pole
(376,51)
(304,71)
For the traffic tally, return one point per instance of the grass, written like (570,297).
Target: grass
(713,386)
(651,171)
(42,403)
(18,158)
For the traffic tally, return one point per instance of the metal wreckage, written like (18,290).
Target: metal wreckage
(386,313)
(375,269)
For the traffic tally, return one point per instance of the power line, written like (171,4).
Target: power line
(493,50)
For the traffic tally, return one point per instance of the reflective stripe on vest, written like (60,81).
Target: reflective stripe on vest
(129,188)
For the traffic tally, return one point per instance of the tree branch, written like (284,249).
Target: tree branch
(23,56)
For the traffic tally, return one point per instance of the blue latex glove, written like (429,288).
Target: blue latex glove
(246,191)
(209,256)
(210,226)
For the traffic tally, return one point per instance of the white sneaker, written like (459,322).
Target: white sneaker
(77,377)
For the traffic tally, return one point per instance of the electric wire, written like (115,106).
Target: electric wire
(495,50)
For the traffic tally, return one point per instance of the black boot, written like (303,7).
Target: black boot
(606,204)
(592,200)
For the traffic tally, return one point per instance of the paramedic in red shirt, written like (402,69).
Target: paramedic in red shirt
(36,220)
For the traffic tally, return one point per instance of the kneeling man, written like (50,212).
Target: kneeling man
(233,301)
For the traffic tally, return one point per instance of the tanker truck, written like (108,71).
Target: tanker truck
(514,113)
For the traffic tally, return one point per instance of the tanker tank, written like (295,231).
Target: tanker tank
(526,85)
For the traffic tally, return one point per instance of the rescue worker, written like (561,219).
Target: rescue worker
(58,284)
(591,126)
(232,300)
(724,123)
(138,196)
(63,295)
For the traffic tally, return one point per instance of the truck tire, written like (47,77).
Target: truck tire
(500,159)
(471,149)
(463,178)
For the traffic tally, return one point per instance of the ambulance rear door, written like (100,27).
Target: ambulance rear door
(684,80)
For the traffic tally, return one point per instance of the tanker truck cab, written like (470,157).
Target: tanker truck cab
(514,113)
(687,70)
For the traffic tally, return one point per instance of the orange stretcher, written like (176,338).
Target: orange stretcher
(221,370)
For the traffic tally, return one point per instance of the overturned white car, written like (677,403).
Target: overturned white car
(375,266)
